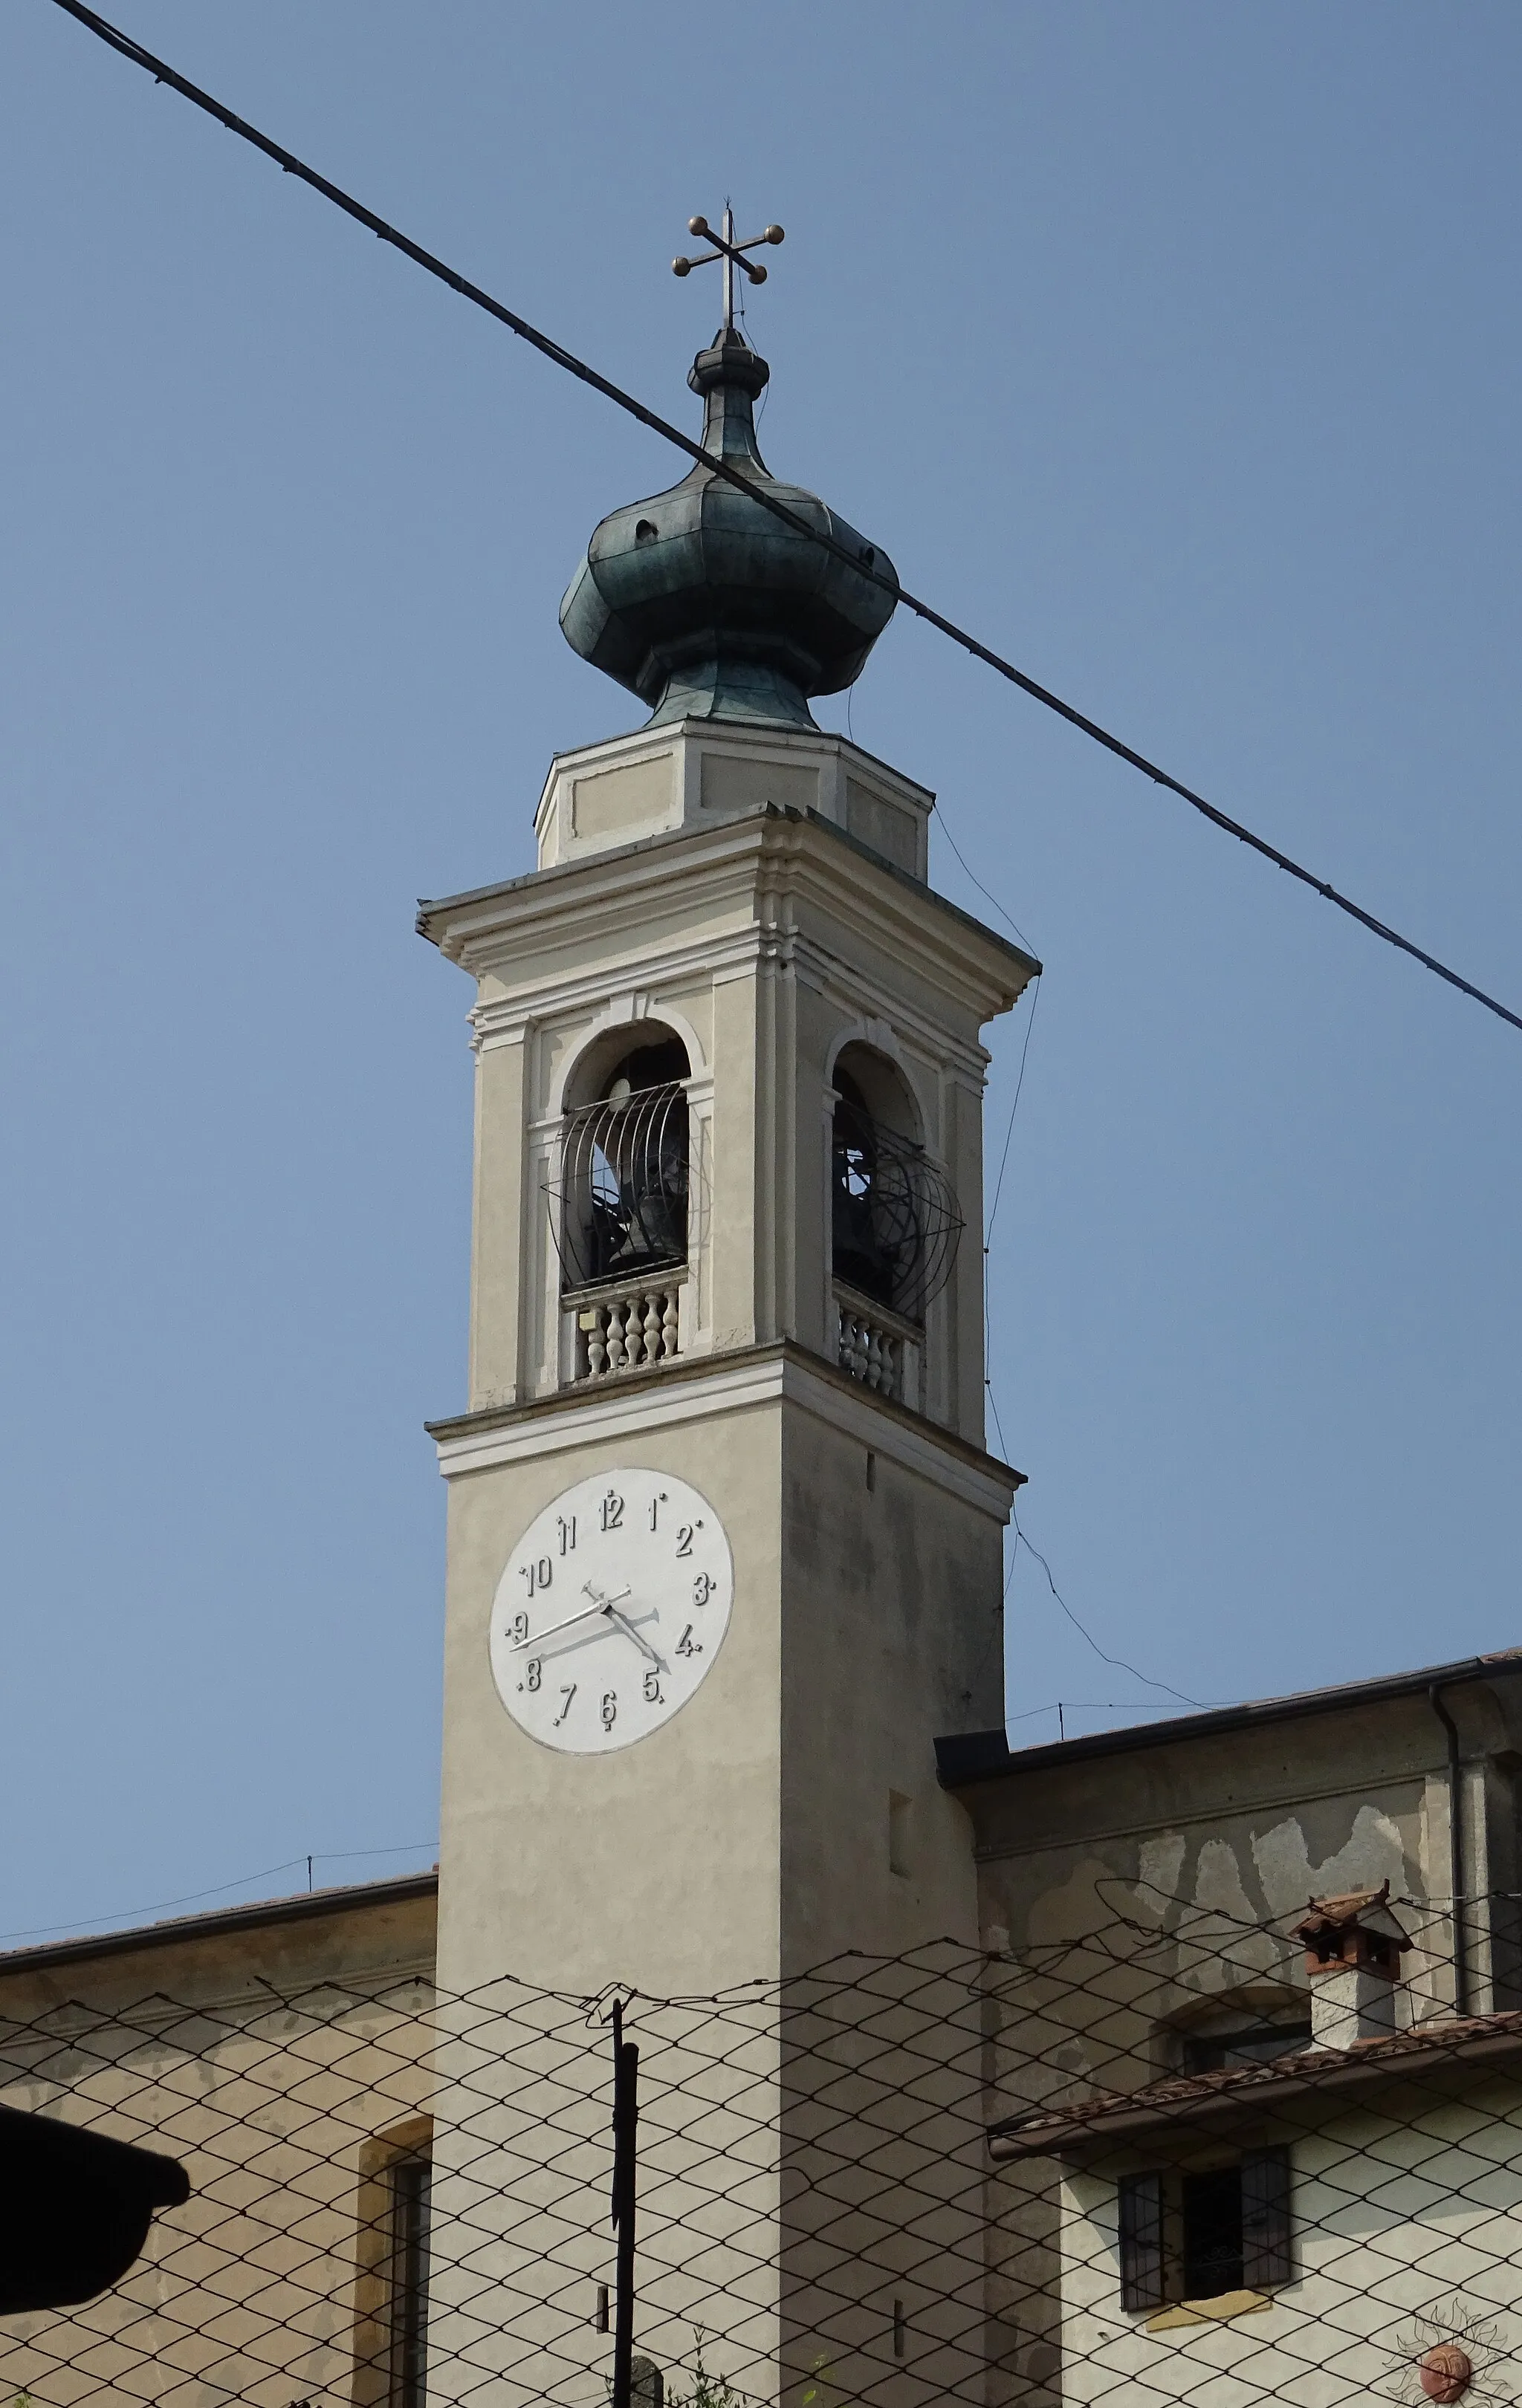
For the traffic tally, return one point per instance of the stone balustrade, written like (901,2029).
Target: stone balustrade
(877,1348)
(626,1328)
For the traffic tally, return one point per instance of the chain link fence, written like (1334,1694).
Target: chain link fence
(1180,2159)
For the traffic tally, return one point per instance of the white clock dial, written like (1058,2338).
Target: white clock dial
(614,1605)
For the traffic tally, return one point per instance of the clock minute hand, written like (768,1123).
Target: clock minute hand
(598,1606)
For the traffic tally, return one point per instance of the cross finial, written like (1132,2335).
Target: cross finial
(731,253)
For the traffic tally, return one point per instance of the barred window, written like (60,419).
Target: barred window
(1232,2225)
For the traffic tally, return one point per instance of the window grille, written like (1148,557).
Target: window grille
(1234,2224)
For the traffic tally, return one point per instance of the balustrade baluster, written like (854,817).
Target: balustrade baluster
(875,1356)
(643,1327)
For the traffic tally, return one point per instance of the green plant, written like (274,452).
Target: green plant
(708,2390)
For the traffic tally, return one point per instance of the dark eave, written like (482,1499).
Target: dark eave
(1112,2119)
(987,1755)
(302,1908)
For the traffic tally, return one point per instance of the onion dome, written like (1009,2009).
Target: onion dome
(706,606)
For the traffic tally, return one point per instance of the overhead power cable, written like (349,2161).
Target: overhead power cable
(554,352)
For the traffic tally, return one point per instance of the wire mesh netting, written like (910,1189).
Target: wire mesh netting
(619,1207)
(895,1222)
(1181,2158)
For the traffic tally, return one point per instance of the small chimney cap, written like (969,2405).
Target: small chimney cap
(1367,1910)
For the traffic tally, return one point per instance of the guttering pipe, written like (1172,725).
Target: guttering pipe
(1456,1850)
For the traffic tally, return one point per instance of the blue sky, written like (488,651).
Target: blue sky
(1175,348)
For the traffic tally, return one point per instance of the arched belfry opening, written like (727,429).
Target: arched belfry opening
(625,1171)
(895,1223)
(621,1200)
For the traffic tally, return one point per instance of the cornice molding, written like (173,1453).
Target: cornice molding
(706,1387)
(506,1020)
(781,853)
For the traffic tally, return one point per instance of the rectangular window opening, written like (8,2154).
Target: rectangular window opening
(1213,2233)
(411,2182)
(1209,2053)
(1198,2236)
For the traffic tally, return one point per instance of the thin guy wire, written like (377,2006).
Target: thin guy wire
(163,73)
(1119,1662)
(1004,1157)
(192,1897)
(1116,1662)
(987,894)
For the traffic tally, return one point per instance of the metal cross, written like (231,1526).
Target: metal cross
(731,253)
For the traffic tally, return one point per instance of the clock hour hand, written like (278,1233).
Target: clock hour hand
(599,1605)
(644,1645)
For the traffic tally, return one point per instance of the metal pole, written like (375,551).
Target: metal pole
(729,272)
(625,2118)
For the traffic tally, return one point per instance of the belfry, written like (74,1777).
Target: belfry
(725,1543)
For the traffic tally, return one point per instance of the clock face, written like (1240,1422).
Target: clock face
(614,1605)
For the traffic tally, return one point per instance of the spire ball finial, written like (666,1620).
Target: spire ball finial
(731,253)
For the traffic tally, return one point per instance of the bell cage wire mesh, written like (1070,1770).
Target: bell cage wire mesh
(896,1223)
(1041,2176)
(619,1202)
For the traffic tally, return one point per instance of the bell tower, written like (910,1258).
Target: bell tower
(724,1544)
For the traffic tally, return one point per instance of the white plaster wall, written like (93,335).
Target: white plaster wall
(1397,2212)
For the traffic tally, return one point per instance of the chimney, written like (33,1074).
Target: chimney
(1353,1949)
